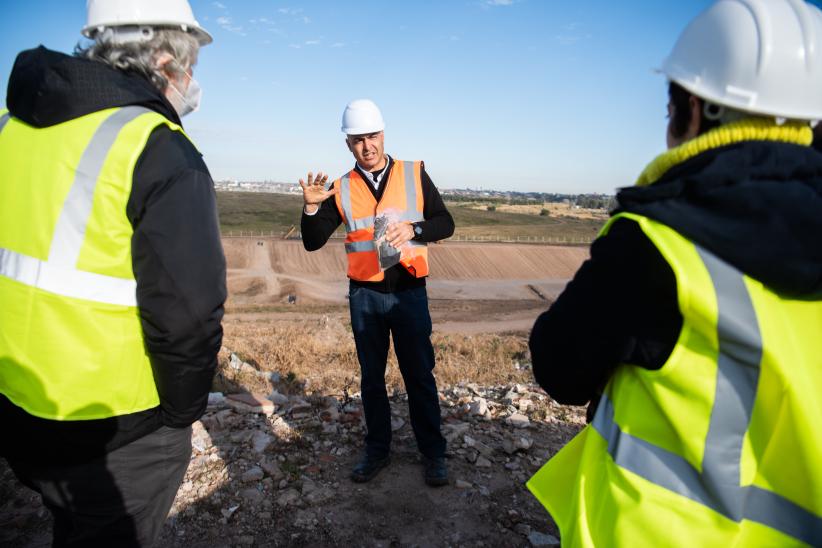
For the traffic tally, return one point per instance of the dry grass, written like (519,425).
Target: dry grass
(554,210)
(319,357)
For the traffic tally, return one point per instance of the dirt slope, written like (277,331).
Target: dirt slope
(266,271)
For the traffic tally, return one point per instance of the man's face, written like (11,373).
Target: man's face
(367,149)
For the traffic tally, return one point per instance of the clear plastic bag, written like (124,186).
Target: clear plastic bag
(388,255)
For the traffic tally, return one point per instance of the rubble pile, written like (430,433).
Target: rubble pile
(272,470)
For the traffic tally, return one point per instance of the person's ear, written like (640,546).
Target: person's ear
(695,121)
(348,144)
(162,61)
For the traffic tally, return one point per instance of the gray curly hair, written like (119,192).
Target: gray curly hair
(140,56)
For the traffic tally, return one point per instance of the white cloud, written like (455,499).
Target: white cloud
(312,42)
(218,5)
(290,11)
(338,45)
(294,46)
(227,24)
(498,2)
(570,35)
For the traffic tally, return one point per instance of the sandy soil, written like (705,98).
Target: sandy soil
(267,271)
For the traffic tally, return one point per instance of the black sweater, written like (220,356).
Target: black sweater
(176,251)
(438,225)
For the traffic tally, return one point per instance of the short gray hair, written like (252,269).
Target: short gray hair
(141,56)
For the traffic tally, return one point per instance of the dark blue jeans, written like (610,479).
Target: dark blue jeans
(404,316)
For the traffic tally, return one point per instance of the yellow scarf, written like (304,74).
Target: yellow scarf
(749,129)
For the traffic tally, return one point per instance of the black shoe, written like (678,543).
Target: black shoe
(369,467)
(436,473)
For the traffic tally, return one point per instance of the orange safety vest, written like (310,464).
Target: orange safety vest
(359,208)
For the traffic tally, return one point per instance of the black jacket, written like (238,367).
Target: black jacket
(756,205)
(438,225)
(176,251)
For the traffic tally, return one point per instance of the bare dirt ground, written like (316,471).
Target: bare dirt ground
(277,474)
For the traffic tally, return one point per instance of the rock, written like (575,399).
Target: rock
(479,407)
(484,450)
(277,398)
(482,462)
(251,403)
(509,446)
(396,423)
(330,414)
(462,484)
(228,512)
(252,474)
(272,468)
(510,397)
(319,496)
(252,495)
(308,485)
(453,431)
(216,399)
(524,405)
(542,539)
(244,540)
(200,438)
(299,405)
(523,443)
(235,362)
(518,420)
(523,529)
(243,436)
(261,441)
(225,418)
(352,407)
(289,496)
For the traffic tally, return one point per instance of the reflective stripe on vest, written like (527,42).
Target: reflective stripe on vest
(3,119)
(356,247)
(58,274)
(737,376)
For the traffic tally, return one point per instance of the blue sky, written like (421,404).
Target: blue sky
(530,95)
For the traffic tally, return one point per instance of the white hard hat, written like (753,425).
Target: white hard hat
(757,56)
(141,16)
(361,116)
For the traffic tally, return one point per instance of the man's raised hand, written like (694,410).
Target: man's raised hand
(314,192)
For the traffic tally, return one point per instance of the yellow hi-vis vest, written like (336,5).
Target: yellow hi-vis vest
(71,342)
(722,446)
(358,209)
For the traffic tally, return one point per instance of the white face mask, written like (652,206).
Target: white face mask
(188,102)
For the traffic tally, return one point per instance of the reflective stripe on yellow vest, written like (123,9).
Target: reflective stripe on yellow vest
(722,445)
(71,342)
(358,208)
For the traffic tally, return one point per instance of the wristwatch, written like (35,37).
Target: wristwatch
(417,229)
